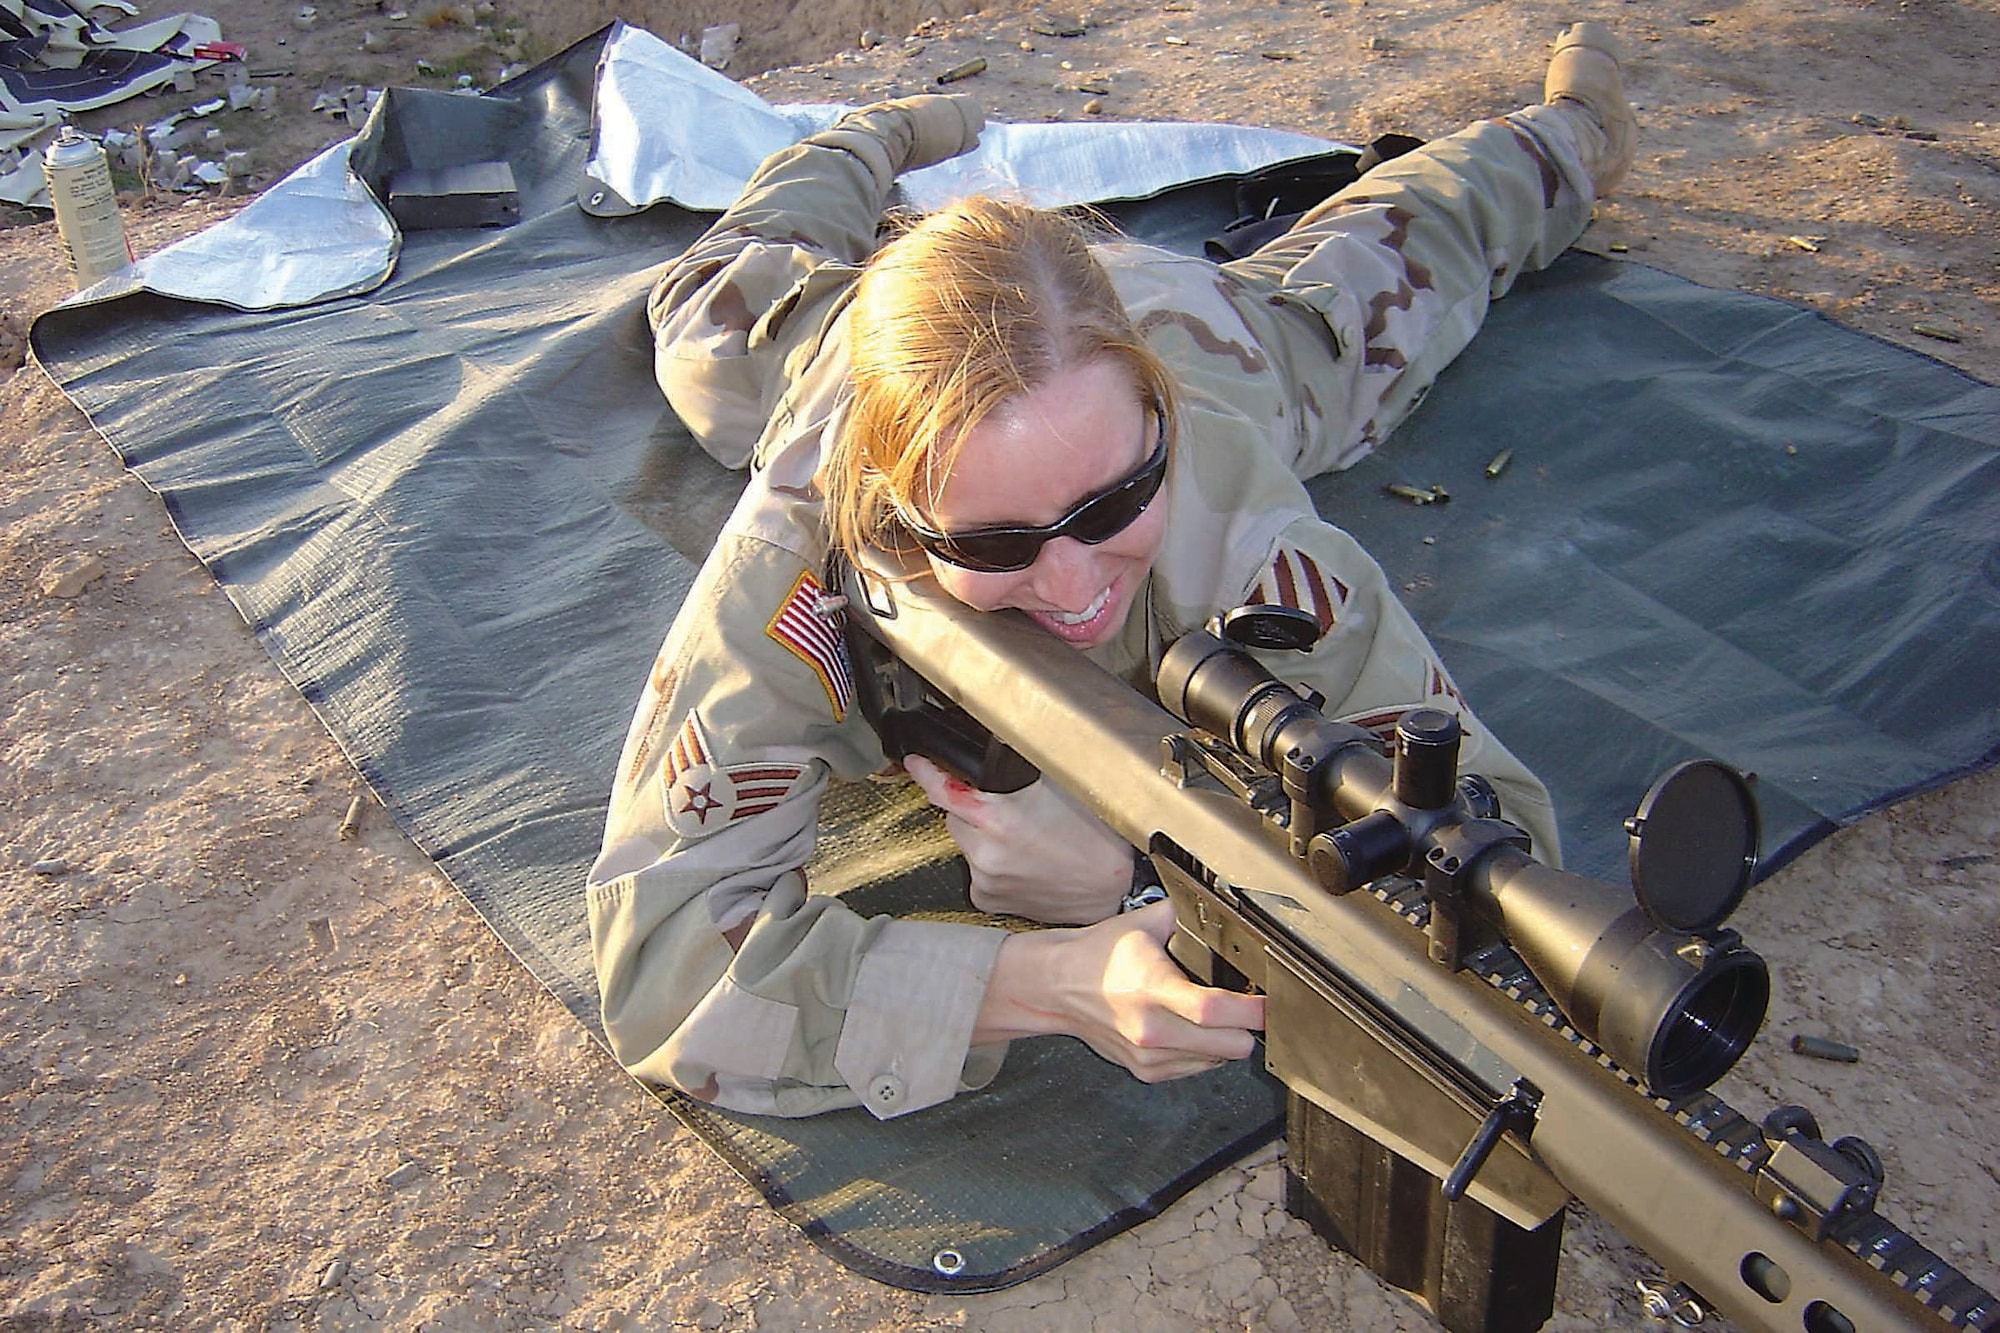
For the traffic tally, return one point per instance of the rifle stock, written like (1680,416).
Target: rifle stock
(1395,1064)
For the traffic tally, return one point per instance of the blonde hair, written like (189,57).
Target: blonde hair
(968,308)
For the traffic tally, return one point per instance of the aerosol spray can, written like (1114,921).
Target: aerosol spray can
(86,204)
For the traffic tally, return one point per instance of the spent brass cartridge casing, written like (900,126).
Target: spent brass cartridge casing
(1825,1048)
(1418,495)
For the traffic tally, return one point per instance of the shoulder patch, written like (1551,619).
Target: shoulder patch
(1381,721)
(1295,579)
(809,624)
(659,697)
(1438,688)
(1439,692)
(702,796)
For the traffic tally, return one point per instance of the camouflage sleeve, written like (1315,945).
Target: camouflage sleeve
(1374,664)
(727,314)
(718,973)
(1401,265)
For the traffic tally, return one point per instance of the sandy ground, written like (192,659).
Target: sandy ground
(256,1075)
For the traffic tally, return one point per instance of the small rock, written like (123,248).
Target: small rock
(1094,107)
(335,1274)
(1281,1317)
(13,343)
(406,1174)
(718,44)
(52,866)
(68,575)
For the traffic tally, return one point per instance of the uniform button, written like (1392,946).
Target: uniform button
(886,1091)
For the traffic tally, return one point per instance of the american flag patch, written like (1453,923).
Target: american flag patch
(1294,579)
(814,637)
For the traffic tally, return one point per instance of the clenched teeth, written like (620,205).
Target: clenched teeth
(1088,613)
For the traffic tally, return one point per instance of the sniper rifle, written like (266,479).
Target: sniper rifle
(1469,1039)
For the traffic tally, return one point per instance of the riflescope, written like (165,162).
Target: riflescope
(1674,1008)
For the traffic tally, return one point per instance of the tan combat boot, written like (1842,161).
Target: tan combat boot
(1584,69)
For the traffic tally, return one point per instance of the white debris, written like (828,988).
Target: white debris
(718,44)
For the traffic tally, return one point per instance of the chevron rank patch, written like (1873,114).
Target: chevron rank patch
(702,796)
(1381,721)
(659,698)
(1295,579)
(1439,692)
(1438,687)
(809,625)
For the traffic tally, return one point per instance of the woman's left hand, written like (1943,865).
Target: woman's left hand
(1033,853)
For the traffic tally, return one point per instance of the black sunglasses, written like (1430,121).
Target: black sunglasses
(1097,518)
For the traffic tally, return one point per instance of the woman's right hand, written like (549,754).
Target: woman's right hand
(1114,986)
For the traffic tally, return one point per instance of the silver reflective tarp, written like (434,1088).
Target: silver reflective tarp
(667,129)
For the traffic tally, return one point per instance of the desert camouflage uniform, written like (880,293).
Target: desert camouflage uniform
(719,975)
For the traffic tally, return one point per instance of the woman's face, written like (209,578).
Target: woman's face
(1029,464)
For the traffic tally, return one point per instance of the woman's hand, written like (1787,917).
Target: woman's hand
(908,132)
(1033,853)
(1114,986)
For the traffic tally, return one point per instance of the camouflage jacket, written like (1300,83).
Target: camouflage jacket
(720,975)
